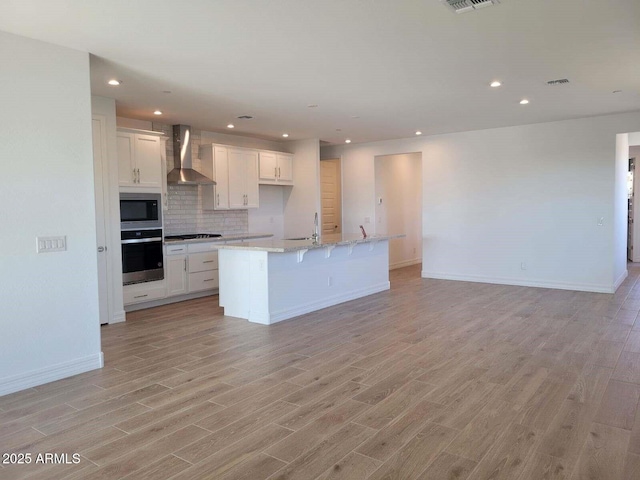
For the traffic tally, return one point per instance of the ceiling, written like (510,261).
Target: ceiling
(376,69)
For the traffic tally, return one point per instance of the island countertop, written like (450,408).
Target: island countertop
(289,245)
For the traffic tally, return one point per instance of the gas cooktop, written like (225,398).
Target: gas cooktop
(191,236)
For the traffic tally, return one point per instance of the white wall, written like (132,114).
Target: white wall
(399,186)
(302,200)
(494,199)
(634,138)
(49,316)
(269,218)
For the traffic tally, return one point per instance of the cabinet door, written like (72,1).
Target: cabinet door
(147,159)
(268,166)
(176,274)
(237,179)
(126,155)
(285,168)
(251,179)
(221,169)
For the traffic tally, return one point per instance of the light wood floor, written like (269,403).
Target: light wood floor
(432,380)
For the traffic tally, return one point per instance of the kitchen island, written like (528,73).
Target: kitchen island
(268,281)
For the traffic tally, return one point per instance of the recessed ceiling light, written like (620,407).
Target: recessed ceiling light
(285,135)
(495,83)
(524,101)
(418,132)
(231,125)
(347,141)
(114,82)
(157,112)
(312,105)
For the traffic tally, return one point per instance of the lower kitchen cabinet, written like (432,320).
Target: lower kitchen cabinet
(191,268)
(143,292)
(176,269)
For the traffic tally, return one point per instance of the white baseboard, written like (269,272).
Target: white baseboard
(50,374)
(620,279)
(406,263)
(313,306)
(118,317)
(595,288)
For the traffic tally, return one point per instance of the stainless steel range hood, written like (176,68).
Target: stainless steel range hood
(183,172)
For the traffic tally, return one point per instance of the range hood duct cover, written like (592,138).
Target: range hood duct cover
(183,172)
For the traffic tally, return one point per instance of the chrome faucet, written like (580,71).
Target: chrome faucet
(315,235)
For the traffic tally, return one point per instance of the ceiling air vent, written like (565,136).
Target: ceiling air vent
(463,6)
(561,81)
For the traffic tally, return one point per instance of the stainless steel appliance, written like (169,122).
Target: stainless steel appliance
(140,210)
(142,256)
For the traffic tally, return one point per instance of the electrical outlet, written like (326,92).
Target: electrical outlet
(523,266)
(329,281)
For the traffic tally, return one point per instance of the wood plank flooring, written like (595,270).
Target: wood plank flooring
(431,380)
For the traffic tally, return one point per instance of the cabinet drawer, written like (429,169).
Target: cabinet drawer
(203,281)
(201,262)
(143,292)
(175,249)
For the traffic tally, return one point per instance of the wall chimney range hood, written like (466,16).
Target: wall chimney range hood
(183,172)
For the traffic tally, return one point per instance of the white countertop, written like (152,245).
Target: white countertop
(284,245)
(233,237)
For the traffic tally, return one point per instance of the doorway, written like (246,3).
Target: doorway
(331,196)
(398,187)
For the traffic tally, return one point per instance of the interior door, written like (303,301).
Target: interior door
(330,193)
(102,213)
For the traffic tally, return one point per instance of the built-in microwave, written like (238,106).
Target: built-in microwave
(140,210)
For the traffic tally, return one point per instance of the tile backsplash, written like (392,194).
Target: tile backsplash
(185,213)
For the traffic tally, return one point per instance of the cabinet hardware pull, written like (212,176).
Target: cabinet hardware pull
(208,261)
(279,173)
(138,175)
(141,296)
(185,264)
(100,249)
(208,280)
(275,171)
(134,175)
(218,199)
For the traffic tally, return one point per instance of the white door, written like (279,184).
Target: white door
(100,169)
(330,193)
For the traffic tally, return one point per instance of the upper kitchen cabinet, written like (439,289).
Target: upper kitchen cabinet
(276,168)
(139,159)
(243,178)
(235,171)
(215,165)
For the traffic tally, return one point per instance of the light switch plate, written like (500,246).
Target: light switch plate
(51,244)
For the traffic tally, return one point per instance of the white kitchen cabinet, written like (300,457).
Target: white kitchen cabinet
(235,171)
(143,292)
(139,159)
(276,168)
(243,178)
(176,274)
(203,271)
(215,165)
